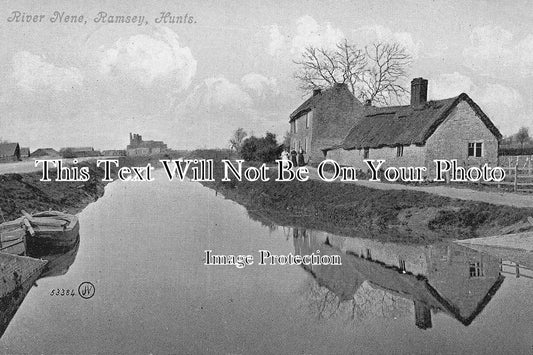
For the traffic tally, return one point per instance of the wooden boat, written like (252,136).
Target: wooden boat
(13,238)
(42,229)
(51,228)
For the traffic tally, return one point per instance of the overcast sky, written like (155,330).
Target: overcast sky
(191,85)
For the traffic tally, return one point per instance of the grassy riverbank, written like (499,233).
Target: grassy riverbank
(26,191)
(400,215)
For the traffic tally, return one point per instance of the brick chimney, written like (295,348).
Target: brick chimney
(419,91)
(316,91)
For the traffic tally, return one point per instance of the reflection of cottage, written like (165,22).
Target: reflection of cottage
(440,278)
(138,146)
(322,121)
(45,152)
(9,152)
(416,134)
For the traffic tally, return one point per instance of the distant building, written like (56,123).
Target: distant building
(138,146)
(79,152)
(45,152)
(114,153)
(24,152)
(9,152)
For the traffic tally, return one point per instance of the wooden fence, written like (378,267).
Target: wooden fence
(518,173)
(511,268)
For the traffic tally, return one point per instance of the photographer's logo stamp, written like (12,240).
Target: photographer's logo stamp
(86,290)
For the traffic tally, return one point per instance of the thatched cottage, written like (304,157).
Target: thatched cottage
(416,134)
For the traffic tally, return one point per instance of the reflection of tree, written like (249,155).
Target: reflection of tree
(367,302)
(321,301)
(374,302)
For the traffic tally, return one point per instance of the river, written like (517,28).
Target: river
(142,246)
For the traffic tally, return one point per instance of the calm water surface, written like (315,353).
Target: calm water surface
(142,246)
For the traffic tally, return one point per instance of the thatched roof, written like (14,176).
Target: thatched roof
(8,149)
(378,127)
(314,100)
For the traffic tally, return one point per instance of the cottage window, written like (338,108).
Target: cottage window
(476,269)
(308,118)
(475,149)
(366,153)
(293,126)
(399,151)
(305,145)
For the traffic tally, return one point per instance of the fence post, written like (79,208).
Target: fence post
(515,177)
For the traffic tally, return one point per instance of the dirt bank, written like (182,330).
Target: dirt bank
(26,191)
(400,215)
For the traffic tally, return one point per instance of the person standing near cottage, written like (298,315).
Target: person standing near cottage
(293,158)
(301,159)
(285,158)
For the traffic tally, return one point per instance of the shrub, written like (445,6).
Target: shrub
(265,149)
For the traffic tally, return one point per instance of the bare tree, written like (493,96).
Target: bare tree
(367,302)
(322,68)
(236,140)
(375,73)
(383,80)
(522,136)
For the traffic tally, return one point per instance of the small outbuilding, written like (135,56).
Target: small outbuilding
(78,152)
(25,152)
(114,153)
(9,152)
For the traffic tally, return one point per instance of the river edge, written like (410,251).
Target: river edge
(351,210)
(346,209)
(26,192)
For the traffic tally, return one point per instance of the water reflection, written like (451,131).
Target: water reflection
(58,260)
(394,280)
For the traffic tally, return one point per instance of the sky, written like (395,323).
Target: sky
(231,65)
